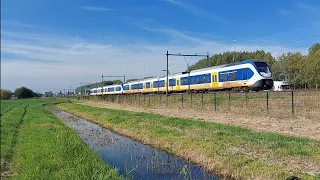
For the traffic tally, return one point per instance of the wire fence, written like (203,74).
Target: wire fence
(281,104)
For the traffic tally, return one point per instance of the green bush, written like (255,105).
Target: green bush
(5,94)
(24,92)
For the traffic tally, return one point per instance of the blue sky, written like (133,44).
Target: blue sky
(52,45)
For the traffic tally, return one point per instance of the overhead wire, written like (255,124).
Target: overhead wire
(291,32)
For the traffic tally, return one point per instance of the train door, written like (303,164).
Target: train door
(178,84)
(151,86)
(214,76)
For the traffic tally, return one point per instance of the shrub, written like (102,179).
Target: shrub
(5,94)
(24,92)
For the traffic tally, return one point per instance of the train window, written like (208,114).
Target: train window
(172,82)
(262,67)
(148,85)
(215,78)
(233,76)
(161,83)
(207,79)
(193,80)
(110,89)
(223,77)
(126,87)
(178,82)
(184,81)
(201,79)
(118,88)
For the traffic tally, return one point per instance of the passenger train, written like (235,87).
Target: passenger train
(246,75)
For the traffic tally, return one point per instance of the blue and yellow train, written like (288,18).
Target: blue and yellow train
(245,75)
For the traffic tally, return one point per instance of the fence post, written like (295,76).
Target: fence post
(167,99)
(144,99)
(182,99)
(139,99)
(191,101)
(292,104)
(149,100)
(229,102)
(202,100)
(135,98)
(267,101)
(160,98)
(174,99)
(215,101)
(246,97)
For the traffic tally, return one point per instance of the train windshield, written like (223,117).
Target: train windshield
(263,69)
(285,87)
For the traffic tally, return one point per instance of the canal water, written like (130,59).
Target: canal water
(132,159)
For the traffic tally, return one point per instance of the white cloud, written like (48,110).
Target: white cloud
(174,33)
(305,6)
(97,8)
(197,11)
(284,12)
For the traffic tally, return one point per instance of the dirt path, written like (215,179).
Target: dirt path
(292,126)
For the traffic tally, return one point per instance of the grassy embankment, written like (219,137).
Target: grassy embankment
(226,150)
(36,145)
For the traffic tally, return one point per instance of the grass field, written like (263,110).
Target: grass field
(36,145)
(225,150)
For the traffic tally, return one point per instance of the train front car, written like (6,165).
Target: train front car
(262,79)
(93,92)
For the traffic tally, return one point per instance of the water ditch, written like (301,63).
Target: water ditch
(132,159)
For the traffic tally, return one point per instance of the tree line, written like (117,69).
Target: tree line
(302,71)
(19,93)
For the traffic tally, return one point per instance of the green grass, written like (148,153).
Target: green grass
(36,145)
(236,151)
(10,121)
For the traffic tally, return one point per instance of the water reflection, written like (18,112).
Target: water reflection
(132,158)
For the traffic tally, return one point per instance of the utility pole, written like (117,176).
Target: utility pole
(208,62)
(179,54)
(234,41)
(167,83)
(101,80)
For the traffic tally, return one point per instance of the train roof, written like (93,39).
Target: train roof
(248,61)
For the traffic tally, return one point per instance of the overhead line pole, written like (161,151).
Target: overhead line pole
(85,89)
(124,77)
(179,54)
